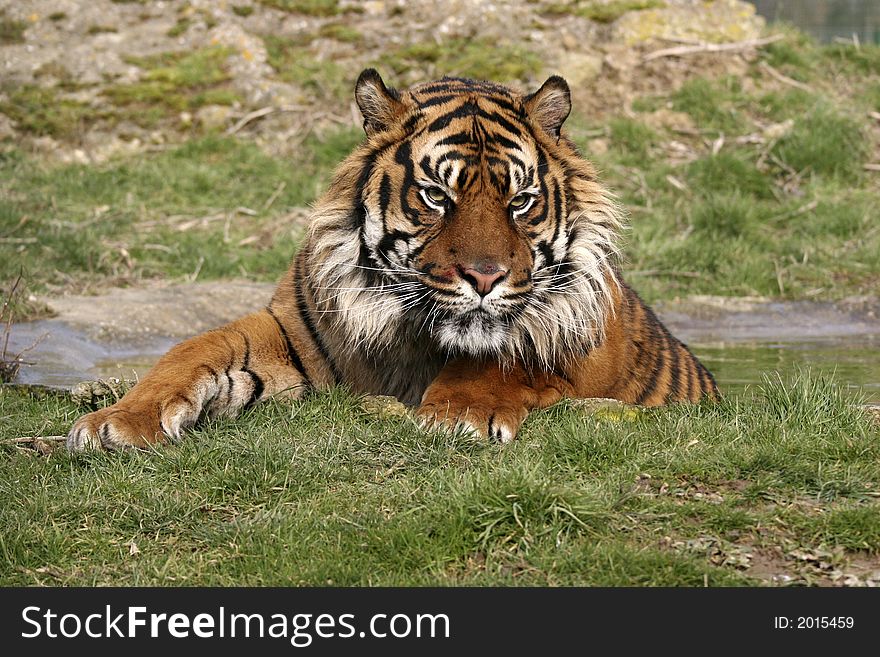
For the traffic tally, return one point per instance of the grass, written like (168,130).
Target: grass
(471,58)
(602,12)
(307,7)
(174,82)
(41,111)
(709,103)
(319,492)
(772,199)
(100,29)
(11,30)
(825,141)
(294,62)
(160,215)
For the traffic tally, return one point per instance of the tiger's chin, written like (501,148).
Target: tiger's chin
(476,333)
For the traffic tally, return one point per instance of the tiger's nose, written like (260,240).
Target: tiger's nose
(482,276)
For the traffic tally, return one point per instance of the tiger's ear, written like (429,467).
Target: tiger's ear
(379,105)
(550,105)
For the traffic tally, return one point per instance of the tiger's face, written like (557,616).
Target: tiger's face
(477,220)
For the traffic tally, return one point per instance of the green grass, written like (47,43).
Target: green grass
(173,82)
(83,217)
(242,10)
(307,7)
(294,62)
(11,30)
(828,142)
(632,140)
(340,32)
(480,58)
(729,172)
(180,27)
(40,111)
(709,103)
(602,12)
(782,213)
(101,29)
(318,492)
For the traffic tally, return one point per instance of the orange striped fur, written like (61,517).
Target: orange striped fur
(462,260)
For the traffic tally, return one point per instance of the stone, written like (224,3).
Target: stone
(694,20)
(383,406)
(214,117)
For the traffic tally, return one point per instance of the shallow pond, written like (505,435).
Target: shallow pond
(855,363)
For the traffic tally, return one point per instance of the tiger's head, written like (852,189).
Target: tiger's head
(466,216)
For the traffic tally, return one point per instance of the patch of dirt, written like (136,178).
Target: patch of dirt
(709,319)
(160,310)
(80,48)
(765,559)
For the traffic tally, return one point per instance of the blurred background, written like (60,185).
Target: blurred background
(181,141)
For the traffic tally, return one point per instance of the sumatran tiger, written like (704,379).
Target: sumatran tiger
(463,260)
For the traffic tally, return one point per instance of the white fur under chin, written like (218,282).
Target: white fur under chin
(481,336)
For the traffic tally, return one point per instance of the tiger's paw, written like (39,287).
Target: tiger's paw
(500,422)
(124,426)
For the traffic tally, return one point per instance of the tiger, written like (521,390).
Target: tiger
(464,259)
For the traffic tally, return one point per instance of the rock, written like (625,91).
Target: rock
(872,410)
(582,67)
(716,22)
(214,117)
(7,131)
(607,409)
(598,146)
(383,406)
(94,394)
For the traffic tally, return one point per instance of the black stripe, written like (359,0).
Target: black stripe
(504,142)
(456,139)
(499,120)
(410,124)
(467,108)
(659,360)
(292,355)
(707,381)
(674,373)
(303,309)
(104,434)
(437,100)
(259,386)
(547,252)
(691,375)
(384,195)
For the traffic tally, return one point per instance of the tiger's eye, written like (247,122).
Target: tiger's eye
(436,195)
(520,201)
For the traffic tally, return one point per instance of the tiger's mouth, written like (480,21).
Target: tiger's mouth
(475,331)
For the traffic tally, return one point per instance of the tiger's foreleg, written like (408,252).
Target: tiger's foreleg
(214,374)
(488,399)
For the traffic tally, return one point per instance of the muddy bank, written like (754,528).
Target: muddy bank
(710,319)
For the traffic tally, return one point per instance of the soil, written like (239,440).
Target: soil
(79,48)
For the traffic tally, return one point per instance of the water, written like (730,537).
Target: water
(739,347)
(855,364)
(63,355)
(827,20)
